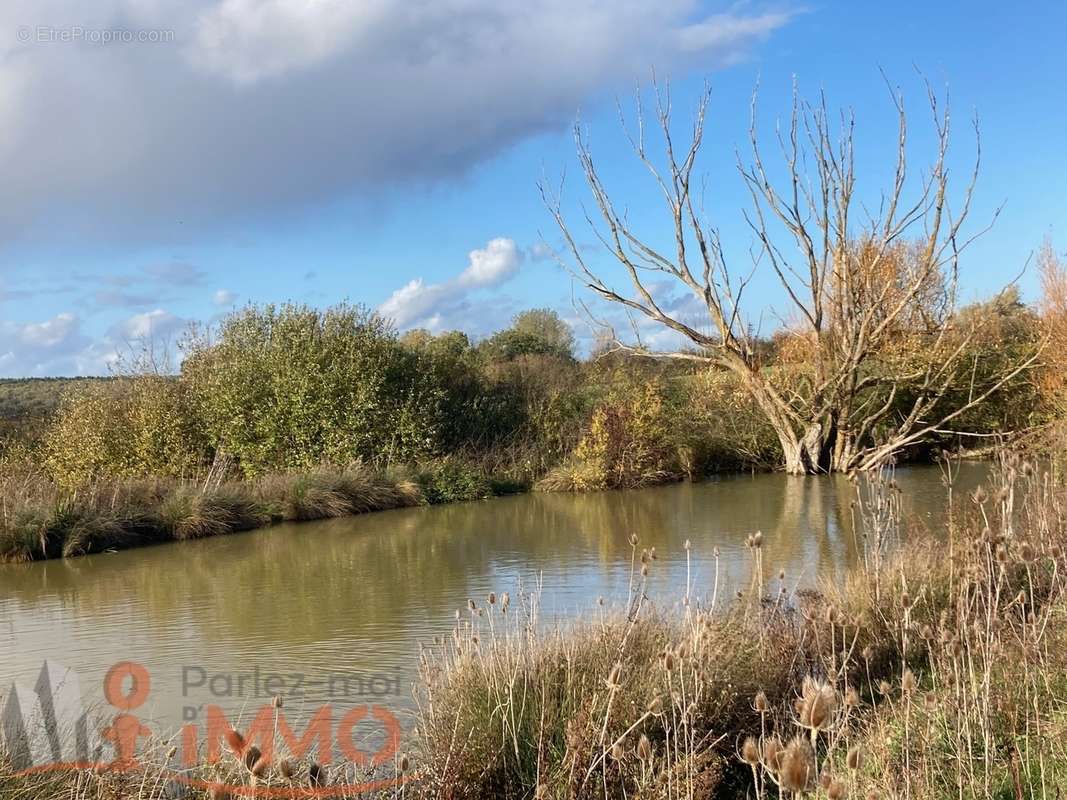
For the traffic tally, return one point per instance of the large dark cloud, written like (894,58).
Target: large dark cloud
(255,107)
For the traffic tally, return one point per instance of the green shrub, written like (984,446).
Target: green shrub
(629,444)
(451,481)
(292,387)
(130,427)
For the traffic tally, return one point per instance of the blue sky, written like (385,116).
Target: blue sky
(387,152)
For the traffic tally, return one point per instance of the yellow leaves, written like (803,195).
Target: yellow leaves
(628,442)
(128,427)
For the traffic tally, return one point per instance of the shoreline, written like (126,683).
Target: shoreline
(126,515)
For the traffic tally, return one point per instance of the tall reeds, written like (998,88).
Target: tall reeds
(40,520)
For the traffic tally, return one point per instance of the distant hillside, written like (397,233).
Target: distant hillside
(30,399)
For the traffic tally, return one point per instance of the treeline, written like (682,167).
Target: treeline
(289,388)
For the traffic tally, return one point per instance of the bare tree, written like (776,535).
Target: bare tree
(872,295)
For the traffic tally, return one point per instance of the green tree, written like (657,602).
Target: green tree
(538,331)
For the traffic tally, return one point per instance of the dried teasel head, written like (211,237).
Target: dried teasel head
(250,756)
(854,759)
(825,779)
(772,754)
(884,688)
(818,702)
(655,707)
(836,790)
(285,767)
(618,752)
(316,775)
(908,683)
(405,764)
(259,768)
(491,598)
(797,767)
(668,661)
(852,698)
(644,749)
(613,677)
(236,741)
(750,751)
(979,496)
(757,539)
(760,704)
(1026,552)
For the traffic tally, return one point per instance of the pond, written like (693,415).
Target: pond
(335,611)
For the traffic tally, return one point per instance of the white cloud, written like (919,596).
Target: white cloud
(48,334)
(42,348)
(60,346)
(224,297)
(541,251)
(250,40)
(433,306)
(498,261)
(151,325)
(262,106)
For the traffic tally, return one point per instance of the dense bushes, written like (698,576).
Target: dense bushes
(292,387)
(628,444)
(278,389)
(133,427)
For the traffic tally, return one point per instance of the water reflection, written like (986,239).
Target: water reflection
(358,595)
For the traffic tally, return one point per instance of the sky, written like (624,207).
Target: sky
(168,161)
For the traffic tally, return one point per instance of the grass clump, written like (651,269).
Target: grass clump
(41,520)
(333,492)
(190,513)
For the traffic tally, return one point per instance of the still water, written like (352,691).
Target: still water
(335,611)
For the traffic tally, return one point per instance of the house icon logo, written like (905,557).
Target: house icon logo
(48,724)
(49,728)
